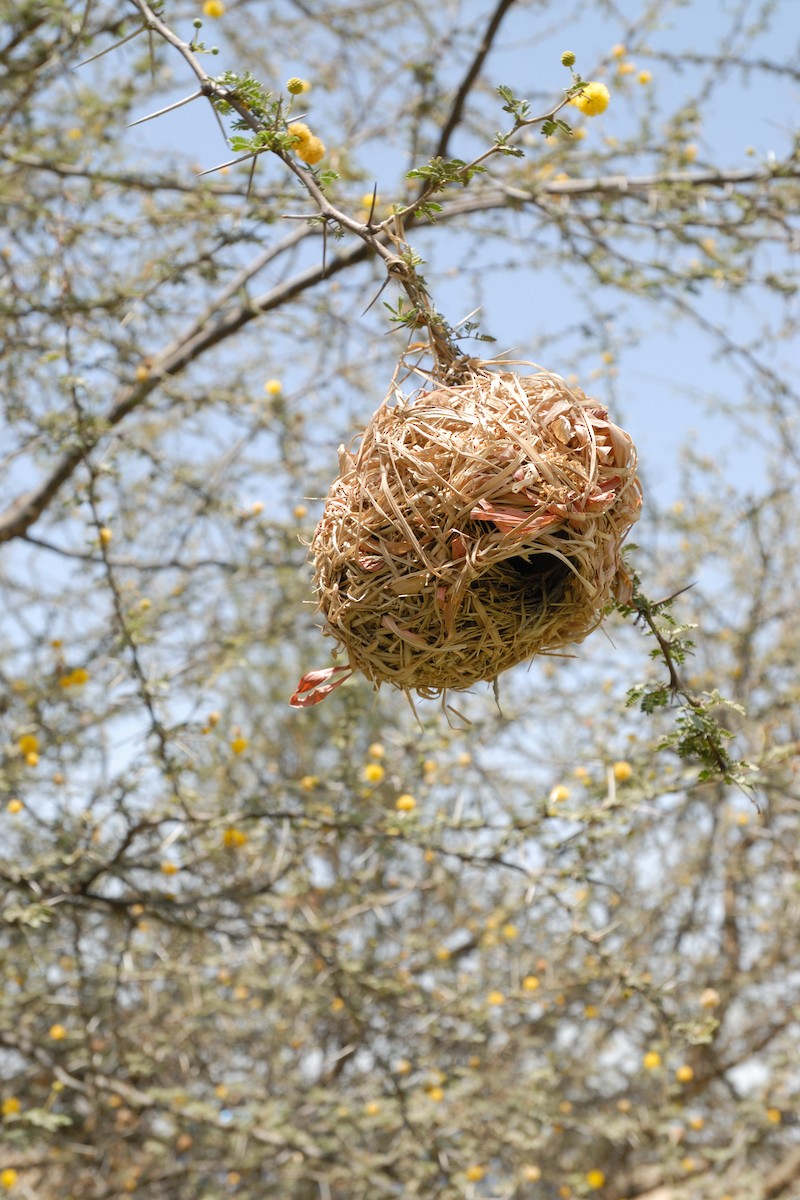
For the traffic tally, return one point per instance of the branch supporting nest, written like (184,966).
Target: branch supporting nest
(477,524)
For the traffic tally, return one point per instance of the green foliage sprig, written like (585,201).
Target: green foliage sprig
(699,733)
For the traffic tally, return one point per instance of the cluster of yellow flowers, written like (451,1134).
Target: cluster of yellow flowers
(626,67)
(76,678)
(307,147)
(29,748)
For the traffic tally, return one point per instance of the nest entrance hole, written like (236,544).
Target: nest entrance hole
(543,577)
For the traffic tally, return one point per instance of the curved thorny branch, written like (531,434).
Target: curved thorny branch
(387,238)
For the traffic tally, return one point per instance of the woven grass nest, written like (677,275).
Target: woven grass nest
(475,526)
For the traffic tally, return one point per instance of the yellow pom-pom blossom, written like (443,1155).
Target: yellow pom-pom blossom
(622,771)
(593,100)
(530,983)
(214,8)
(651,1060)
(296,86)
(28,743)
(239,745)
(233,838)
(495,998)
(595,1179)
(8,1178)
(475,1173)
(311,152)
(10,1106)
(559,794)
(405,803)
(684,1074)
(373,772)
(273,387)
(14,806)
(300,132)
(58,1033)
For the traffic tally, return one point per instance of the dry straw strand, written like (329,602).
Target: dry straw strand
(476,525)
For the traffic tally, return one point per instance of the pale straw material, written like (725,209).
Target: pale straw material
(476,525)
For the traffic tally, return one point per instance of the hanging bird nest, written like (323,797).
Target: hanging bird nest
(475,526)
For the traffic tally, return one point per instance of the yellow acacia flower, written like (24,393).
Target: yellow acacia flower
(213,8)
(626,68)
(14,806)
(373,772)
(10,1106)
(495,998)
(273,387)
(8,1178)
(300,132)
(311,151)
(530,983)
(622,771)
(169,868)
(644,77)
(559,794)
(651,1060)
(405,803)
(233,838)
(595,1178)
(684,1074)
(28,743)
(593,100)
(57,1033)
(297,87)
(239,744)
